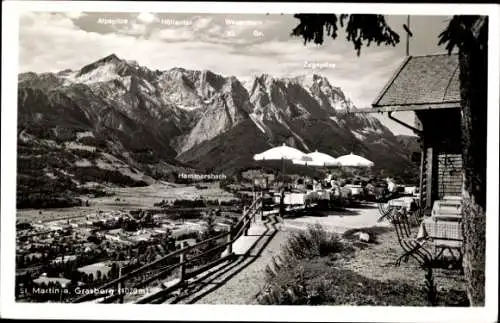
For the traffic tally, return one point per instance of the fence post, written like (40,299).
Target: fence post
(261,211)
(183,266)
(230,240)
(246,224)
(120,285)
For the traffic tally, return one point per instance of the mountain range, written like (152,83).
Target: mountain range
(114,121)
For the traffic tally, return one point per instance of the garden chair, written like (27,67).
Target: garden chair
(451,246)
(412,247)
(415,213)
(383,197)
(384,210)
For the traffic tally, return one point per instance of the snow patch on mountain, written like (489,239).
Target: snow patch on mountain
(258,122)
(337,104)
(132,62)
(105,72)
(307,80)
(303,110)
(126,81)
(146,86)
(334,119)
(247,84)
(188,107)
(69,78)
(358,135)
(382,141)
(370,130)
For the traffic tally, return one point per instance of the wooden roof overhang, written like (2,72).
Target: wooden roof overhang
(420,84)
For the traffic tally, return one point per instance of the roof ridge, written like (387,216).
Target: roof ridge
(450,80)
(430,55)
(391,80)
(421,79)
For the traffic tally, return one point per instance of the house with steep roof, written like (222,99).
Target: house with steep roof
(429,86)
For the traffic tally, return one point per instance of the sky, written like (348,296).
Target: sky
(243,45)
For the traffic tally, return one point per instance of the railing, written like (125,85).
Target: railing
(184,259)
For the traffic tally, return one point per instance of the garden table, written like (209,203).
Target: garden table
(355,189)
(292,199)
(405,201)
(442,234)
(435,228)
(447,210)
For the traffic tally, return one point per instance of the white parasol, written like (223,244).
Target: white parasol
(282,153)
(354,161)
(317,159)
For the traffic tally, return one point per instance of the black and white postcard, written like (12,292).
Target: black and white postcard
(219,161)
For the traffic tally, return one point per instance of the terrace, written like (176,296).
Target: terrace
(380,262)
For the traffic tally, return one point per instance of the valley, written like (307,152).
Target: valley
(114,123)
(126,199)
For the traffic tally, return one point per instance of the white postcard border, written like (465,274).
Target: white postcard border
(10,309)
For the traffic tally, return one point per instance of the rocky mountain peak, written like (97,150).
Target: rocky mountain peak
(210,79)
(65,72)
(110,59)
(199,116)
(109,68)
(265,79)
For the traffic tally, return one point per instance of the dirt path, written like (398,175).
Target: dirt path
(240,281)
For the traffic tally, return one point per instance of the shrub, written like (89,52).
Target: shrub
(316,282)
(315,242)
(296,291)
(285,275)
(290,284)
